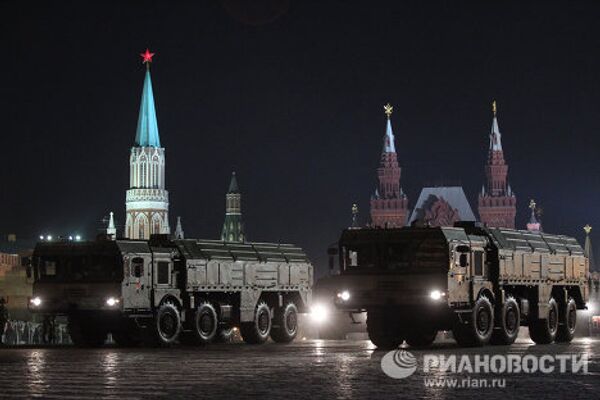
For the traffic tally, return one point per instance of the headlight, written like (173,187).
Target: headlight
(112,301)
(436,295)
(319,313)
(36,301)
(344,296)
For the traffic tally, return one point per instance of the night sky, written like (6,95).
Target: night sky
(289,94)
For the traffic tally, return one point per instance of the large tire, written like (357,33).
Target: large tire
(206,323)
(285,324)
(477,328)
(382,333)
(167,324)
(567,322)
(508,323)
(421,337)
(86,334)
(258,330)
(543,331)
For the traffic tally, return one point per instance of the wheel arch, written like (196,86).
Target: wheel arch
(168,298)
(487,293)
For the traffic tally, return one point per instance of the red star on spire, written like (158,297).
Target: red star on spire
(146,57)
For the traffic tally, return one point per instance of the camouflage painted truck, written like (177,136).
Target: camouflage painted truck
(163,291)
(481,283)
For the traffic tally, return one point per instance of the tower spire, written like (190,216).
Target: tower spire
(233,227)
(147,127)
(147,200)
(111,230)
(495,135)
(388,140)
(179,229)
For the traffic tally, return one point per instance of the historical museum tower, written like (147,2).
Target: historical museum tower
(389,205)
(147,201)
(497,202)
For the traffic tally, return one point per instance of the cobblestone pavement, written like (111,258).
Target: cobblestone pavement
(306,369)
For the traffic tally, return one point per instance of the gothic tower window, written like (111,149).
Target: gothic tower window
(141,229)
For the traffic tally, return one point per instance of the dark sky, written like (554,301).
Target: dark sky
(289,94)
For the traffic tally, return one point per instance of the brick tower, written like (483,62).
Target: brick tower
(389,205)
(497,202)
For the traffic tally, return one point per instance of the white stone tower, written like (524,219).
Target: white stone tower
(147,201)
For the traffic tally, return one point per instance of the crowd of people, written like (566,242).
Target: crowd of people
(14,332)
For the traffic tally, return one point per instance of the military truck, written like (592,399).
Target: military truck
(163,291)
(481,283)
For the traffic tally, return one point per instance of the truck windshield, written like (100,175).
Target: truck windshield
(81,268)
(374,256)
(400,255)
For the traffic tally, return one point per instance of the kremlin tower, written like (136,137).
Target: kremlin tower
(233,227)
(147,201)
(497,202)
(389,205)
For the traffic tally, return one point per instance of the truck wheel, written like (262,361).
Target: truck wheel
(206,323)
(285,324)
(567,322)
(477,328)
(85,334)
(508,323)
(543,331)
(421,338)
(381,332)
(257,331)
(167,324)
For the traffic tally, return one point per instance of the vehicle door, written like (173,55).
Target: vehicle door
(164,276)
(137,280)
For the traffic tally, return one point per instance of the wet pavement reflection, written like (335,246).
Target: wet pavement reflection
(315,369)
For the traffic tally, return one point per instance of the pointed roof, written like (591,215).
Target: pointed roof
(495,135)
(179,229)
(388,139)
(233,185)
(111,230)
(147,127)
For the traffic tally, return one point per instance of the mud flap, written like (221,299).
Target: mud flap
(544,293)
(248,300)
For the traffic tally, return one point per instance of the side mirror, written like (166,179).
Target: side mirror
(463,261)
